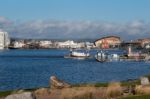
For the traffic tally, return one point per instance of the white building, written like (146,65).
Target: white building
(67,44)
(89,45)
(19,44)
(45,44)
(4,40)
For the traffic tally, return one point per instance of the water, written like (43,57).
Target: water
(24,69)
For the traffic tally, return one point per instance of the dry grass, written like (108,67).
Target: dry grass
(142,90)
(114,89)
(83,93)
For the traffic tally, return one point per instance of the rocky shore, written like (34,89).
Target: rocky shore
(59,89)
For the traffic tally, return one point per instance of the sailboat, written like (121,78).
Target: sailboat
(101,56)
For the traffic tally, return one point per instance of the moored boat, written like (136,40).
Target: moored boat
(105,57)
(78,55)
(11,47)
(101,57)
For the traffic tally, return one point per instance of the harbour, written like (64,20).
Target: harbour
(25,69)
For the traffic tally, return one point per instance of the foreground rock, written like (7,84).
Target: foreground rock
(25,95)
(55,83)
(45,93)
(144,81)
(42,91)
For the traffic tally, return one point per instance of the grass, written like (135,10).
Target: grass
(124,83)
(101,84)
(88,91)
(5,93)
(127,83)
(76,93)
(137,97)
(83,93)
(92,85)
(142,90)
(130,83)
(114,89)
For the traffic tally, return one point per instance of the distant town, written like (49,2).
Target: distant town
(109,42)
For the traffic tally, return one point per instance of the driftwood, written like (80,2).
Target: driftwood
(58,84)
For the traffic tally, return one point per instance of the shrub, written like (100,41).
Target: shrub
(82,93)
(114,89)
(142,89)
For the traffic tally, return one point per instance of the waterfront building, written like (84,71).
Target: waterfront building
(19,44)
(108,42)
(4,40)
(147,46)
(144,42)
(81,45)
(67,44)
(132,54)
(89,45)
(45,44)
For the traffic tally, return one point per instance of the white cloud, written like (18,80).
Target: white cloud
(74,29)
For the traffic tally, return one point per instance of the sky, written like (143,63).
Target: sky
(129,19)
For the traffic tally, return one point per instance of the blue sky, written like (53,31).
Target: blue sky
(129,19)
(105,10)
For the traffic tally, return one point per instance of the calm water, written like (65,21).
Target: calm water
(23,69)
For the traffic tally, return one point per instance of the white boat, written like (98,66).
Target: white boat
(77,54)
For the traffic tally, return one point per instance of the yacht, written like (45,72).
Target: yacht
(78,54)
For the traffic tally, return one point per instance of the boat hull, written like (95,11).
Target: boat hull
(101,60)
(77,57)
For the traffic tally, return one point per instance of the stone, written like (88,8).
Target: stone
(25,95)
(55,83)
(42,91)
(144,81)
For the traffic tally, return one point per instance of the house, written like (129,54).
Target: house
(144,42)
(108,42)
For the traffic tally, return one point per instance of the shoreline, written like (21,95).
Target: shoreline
(124,84)
(96,84)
